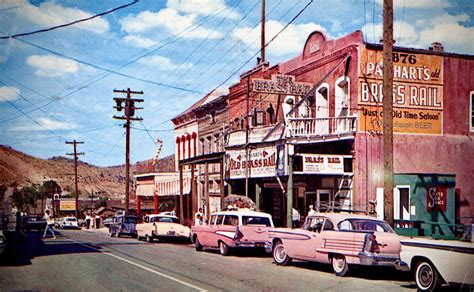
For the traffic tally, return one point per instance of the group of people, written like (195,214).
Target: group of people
(296,215)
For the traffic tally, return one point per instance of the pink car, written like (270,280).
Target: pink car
(339,239)
(233,229)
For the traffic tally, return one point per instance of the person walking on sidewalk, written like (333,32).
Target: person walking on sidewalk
(49,224)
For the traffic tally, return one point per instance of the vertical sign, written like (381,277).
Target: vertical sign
(436,199)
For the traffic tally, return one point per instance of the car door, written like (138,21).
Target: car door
(325,232)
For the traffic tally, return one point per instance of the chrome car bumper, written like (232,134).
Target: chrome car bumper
(268,246)
(245,244)
(401,266)
(370,259)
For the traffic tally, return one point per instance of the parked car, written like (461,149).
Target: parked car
(123,225)
(339,239)
(3,242)
(436,262)
(107,222)
(160,226)
(68,222)
(35,223)
(229,230)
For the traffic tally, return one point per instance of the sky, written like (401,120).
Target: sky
(57,85)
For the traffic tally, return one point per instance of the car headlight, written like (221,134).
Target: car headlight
(2,239)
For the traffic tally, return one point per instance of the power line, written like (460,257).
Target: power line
(70,23)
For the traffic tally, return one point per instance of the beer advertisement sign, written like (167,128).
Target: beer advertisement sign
(67,205)
(261,163)
(417,92)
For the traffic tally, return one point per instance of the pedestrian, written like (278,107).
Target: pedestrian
(198,217)
(296,218)
(311,211)
(88,221)
(49,224)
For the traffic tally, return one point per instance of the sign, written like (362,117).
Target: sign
(436,199)
(262,163)
(280,165)
(67,205)
(281,84)
(417,92)
(323,164)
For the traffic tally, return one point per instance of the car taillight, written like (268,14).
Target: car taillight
(371,244)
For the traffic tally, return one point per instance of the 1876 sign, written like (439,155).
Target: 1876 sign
(281,84)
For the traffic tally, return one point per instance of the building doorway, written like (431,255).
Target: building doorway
(323,200)
(401,203)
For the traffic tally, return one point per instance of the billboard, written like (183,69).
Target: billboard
(417,92)
(281,84)
(323,164)
(67,205)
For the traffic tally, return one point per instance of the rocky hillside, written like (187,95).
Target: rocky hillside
(22,169)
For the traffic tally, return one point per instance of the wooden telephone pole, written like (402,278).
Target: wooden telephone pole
(128,105)
(388,109)
(75,154)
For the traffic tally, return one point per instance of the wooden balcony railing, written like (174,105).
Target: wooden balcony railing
(309,127)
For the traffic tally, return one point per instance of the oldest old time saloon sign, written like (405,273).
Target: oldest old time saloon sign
(417,92)
(281,84)
(262,163)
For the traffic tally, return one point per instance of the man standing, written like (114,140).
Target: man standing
(198,217)
(311,211)
(49,224)
(296,218)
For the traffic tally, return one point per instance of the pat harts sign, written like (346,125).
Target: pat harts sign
(323,164)
(67,205)
(417,92)
(262,163)
(281,84)
(436,199)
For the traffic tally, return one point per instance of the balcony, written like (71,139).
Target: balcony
(321,129)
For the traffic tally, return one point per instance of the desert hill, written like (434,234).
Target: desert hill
(22,169)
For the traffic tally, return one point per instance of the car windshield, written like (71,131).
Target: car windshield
(71,219)
(254,220)
(164,219)
(364,225)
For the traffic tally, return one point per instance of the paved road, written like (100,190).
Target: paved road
(86,260)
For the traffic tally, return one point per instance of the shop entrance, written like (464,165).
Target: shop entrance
(323,200)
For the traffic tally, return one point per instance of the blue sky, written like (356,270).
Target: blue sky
(58,85)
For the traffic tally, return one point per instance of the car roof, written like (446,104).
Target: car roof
(243,213)
(162,215)
(338,217)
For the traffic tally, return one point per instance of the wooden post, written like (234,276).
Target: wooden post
(388,109)
(181,214)
(221,161)
(206,192)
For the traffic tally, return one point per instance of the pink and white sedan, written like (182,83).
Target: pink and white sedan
(232,230)
(338,239)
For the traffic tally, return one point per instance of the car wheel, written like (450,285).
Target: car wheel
(117,234)
(148,238)
(339,265)
(426,277)
(279,254)
(197,244)
(111,233)
(223,248)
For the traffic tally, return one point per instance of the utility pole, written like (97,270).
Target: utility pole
(128,105)
(388,109)
(262,35)
(75,154)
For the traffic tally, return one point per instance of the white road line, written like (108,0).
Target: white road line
(143,267)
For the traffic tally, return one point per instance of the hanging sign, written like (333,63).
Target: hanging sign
(323,164)
(436,199)
(262,163)
(281,84)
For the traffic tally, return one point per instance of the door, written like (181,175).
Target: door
(401,203)
(322,110)
(323,200)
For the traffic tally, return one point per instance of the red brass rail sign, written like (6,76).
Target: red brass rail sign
(281,84)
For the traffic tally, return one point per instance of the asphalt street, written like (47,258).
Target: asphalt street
(79,260)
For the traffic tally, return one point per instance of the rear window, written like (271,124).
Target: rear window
(231,220)
(169,220)
(130,220)
(253,220)
(364,225)
(71,219)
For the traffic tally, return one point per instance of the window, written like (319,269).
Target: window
(213,219)
(314,224)
(251,220)
(231,220)
(364,225)
(471,103)
(219,219)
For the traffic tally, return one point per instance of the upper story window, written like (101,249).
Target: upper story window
(342,92)
(471,111)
